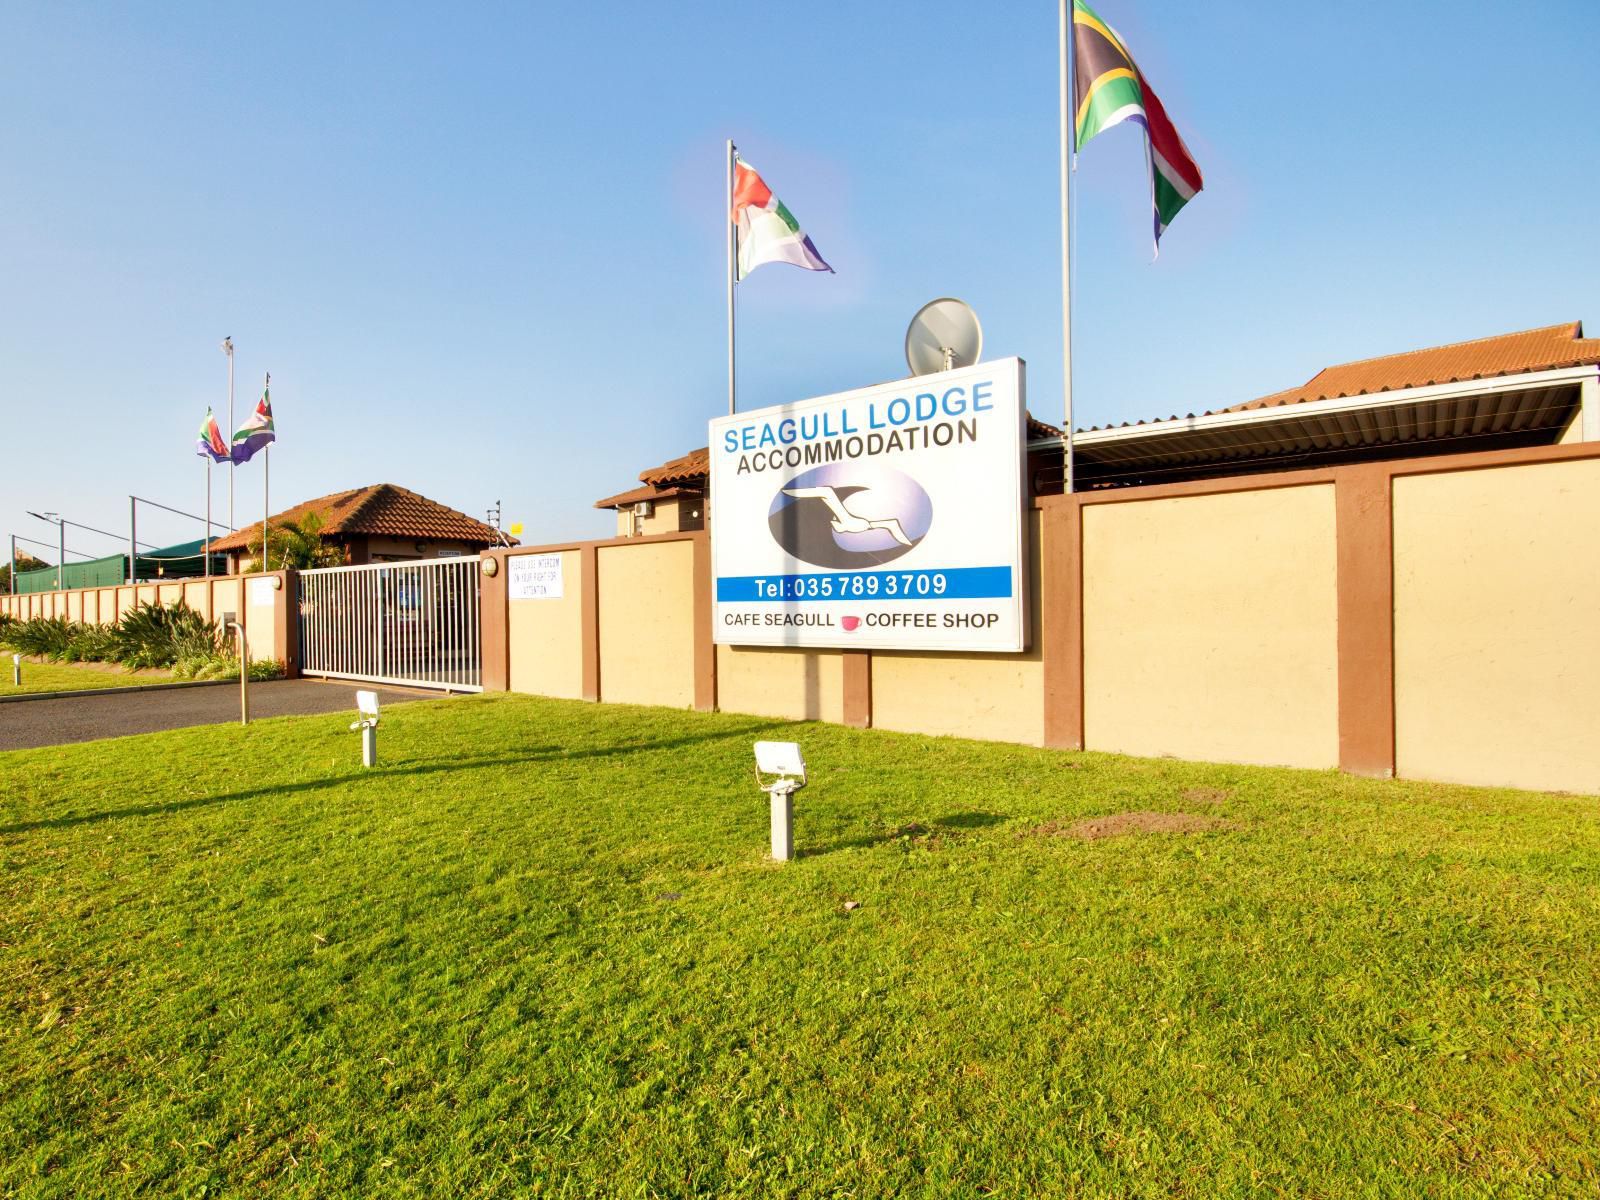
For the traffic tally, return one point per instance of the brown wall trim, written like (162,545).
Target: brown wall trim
(1520,457)
(705,654)
(1363,502)
(1061,624)
(687,535)
(1438,465)
(1195,487)
(589,556)
(858,689)
(494,626)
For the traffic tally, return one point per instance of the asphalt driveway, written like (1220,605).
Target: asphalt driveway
(70,718)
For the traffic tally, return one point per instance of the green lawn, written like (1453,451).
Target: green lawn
(539,951)
(72,677)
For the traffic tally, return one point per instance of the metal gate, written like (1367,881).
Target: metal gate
(413,623)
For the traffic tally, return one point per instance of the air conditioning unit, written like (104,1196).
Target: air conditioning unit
(644,508)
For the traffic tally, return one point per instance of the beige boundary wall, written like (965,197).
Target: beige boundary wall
(1254,575)
(265,605)
(1434,618)
(1497,626)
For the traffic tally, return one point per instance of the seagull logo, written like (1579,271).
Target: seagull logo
(845,521)
(850,515)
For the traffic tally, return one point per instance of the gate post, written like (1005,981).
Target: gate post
(288,623)
(494,661)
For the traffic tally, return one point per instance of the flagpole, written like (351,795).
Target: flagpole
(733,259)
(227,348)
(208,516)
(1066,253)
(266,475)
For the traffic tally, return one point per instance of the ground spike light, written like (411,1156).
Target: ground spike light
(784,761)
(367,707)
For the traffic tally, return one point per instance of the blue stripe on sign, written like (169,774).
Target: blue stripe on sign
(950,583)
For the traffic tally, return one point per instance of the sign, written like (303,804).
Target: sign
(884,518)
(262,591)
(535,577)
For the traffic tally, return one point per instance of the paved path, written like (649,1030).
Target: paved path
(86,718)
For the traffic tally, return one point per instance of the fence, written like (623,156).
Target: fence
(408,623)
(1433,618)
(263,604)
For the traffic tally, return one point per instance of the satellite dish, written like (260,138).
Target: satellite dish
(944,335)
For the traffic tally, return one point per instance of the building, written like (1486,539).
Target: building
(1539,387)
(377,524)
(187,560)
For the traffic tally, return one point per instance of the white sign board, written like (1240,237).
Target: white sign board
(884,518)
(534,577)
(261,591)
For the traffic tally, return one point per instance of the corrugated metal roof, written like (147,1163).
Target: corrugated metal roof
(1306,431)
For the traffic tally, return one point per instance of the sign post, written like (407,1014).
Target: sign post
(885,518)
(230,621)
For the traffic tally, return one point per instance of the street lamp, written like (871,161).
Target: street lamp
(61,532)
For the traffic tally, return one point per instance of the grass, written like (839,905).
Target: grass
(72,677)
(539,951)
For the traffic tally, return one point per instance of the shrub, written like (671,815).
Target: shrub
(47,636)
(223,666)
(92,643)
(152,636)
(147,636)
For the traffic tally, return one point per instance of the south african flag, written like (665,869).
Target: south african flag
(768,231)
(257,430)
(209,443)
(1109,88)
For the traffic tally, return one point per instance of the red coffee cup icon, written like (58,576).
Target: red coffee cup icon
(850,623)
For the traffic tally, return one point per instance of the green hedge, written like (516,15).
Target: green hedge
(148,635)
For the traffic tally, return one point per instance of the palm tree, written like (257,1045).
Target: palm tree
(296,545)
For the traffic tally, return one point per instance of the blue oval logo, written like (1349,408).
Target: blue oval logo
(849,515)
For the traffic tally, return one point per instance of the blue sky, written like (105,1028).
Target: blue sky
(480,249)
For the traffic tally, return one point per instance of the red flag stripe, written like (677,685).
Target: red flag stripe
(749,191)
(1164,138)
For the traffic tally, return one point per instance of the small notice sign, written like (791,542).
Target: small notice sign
(261,591)
(535,577)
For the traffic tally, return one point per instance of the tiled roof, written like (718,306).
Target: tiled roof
(694,465)
(697,463)
(647,492)
(381,510)
(1038,429)
(1546,349)
(1487,358)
